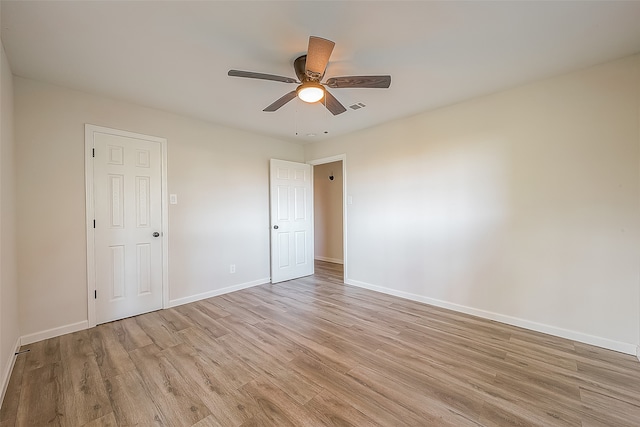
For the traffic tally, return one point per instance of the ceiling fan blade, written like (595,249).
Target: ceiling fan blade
(318,54)
(280,102)
(381,82)
(252,75)
(333,104)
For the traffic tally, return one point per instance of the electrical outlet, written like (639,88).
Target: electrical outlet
(232,268)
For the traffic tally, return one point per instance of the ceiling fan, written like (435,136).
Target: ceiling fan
(310,70)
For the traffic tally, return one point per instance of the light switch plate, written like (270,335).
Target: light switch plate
(173,199)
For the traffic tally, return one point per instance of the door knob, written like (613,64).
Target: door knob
(156,234)
(275,227)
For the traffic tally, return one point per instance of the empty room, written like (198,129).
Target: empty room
(320,213)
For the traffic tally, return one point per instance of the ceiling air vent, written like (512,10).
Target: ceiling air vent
(357,106)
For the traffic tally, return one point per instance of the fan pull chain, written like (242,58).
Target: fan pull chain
(295,119)
(327,115)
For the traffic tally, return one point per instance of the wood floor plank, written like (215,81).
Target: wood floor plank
(180,403)
(239,310)
(433,382)
(200,318)
(228,406)
(493,415)
(314,351)
(339,361)
(9,409)
(520,398)
(174,319)
(108,420)
(78,354)
(130,334)
(338,412)
(162,333)
(210,309)
(209,421)
(260,339)
(296,386)
(42,353)
(431,410)
(437,356)
(610,410)
(232,369)
(111,357)
(88,404)
(86,398)
(131,402)
(278,407)
(525,354)
(42,400)
(251,355)
(360,396)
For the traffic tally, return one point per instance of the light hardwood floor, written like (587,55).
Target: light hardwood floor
(316,352)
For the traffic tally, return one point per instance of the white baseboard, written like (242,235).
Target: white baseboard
(79,326)
(6,372)
(621,347)
(216,292)
(333,260)
(54,332)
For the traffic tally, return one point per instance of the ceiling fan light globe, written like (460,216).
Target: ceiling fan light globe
(310,92)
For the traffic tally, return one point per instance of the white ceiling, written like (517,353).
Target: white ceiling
(175,55)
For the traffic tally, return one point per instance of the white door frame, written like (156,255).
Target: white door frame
(337,158)
(89,129)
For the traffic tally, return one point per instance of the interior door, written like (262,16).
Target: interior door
(128,225)
(291,220)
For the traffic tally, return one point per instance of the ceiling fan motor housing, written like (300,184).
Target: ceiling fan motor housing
(304,75)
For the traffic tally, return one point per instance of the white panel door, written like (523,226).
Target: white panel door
(128,225)
(291,220)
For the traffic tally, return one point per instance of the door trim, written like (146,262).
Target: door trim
(343,158)
(89,130)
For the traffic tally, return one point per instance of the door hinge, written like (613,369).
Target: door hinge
(94,223)
(95,294)
(93,152)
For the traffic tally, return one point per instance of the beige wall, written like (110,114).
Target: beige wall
(638,97)
(220,176)
(522,206)
(327,198)
(9,329)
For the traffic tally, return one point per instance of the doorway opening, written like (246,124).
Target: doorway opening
(329,206)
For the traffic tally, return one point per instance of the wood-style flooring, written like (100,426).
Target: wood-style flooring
(316,352)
